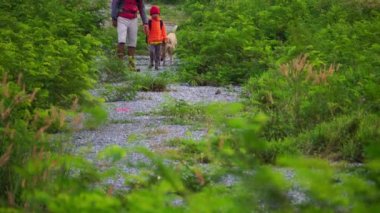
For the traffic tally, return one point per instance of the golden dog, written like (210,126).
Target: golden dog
(168,47)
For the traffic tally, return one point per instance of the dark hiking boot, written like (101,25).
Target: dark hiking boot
(121,51)
(132,64)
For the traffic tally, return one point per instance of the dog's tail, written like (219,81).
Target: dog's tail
(174,28)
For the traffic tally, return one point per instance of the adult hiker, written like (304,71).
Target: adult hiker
(124,17)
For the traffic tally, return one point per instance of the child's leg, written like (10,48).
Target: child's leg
(157,55)
(151,53)
(163,53)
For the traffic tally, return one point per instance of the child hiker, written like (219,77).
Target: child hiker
(156,36)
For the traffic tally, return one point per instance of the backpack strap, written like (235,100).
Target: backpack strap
(150,24)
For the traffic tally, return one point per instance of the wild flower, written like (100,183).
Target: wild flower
(299,69)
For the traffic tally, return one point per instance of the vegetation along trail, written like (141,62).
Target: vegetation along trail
(269,106)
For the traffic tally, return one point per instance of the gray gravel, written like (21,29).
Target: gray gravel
(126,119)
(147,102)
(133,124)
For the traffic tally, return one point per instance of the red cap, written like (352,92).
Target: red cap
(154,10)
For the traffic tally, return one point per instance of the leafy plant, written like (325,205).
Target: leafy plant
(112,69)
(147,82)
(23,132)
(54,51)
(124,91)
(343,138)
(228,42)
(181,112)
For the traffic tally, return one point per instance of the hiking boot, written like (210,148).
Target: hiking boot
(132,64)
(121,51)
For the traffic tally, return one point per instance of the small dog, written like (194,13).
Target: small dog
(168,47)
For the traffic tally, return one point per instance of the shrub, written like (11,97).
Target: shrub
(343,138)
(181,112)
(23,138)
(301,96)
(228,42)
(122,92)
(96,116)
(147,82)
(52,44)
(112,69)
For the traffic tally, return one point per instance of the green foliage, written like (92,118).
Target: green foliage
(148,82)
(122,92)
(226,42)
(218,44)
(90,202)
(343,138)
(233,150)
(299,98)
(113,153)
(127,84)
(189,151)
(142,46)
(112,69)
(23,135)
(309,109)
(52,44)
(181,112)
(95,117)
(171,10)
(108,40)
(171,2)
(318,107)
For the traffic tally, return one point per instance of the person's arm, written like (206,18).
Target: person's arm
(115,9)
(164,35)
(141,7)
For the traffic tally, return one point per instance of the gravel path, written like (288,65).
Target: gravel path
(135,125)
(135,117)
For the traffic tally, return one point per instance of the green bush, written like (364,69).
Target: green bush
(147,82)
(228,42)
(123,92)
(23,135)
(165,1)
(127,84)
(95,117)
(300,96)
(344,138)
(52,44)
(112,69)
(181,112)
(218,45)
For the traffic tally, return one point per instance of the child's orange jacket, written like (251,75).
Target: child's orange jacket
(157,31)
